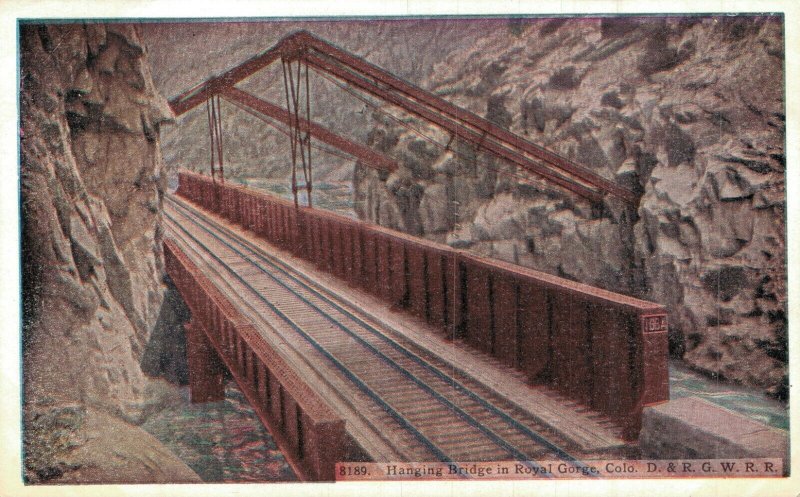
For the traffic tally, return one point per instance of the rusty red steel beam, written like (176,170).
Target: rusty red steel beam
(297,45)
(202,92)
(306,39)
(452,126)
(365,154)
(501,308)
(552,282)
(544,280)
(322,430)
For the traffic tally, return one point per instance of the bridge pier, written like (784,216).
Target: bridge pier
(206,370)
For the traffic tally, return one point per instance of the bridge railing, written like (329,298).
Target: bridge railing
(604,350)
(301,422)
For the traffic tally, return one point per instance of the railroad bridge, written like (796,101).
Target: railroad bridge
(354,342)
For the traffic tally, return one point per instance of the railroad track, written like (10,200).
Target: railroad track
(446,415)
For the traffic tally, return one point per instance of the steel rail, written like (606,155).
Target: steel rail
(561,453)
(317,346)
(283,344)
(430,445)
(517,454)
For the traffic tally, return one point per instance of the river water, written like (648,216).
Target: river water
(221,441)
(226,442)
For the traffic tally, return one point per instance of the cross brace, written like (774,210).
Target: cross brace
(467,125)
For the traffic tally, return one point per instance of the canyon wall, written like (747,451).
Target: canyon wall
(91,193)
(687,112)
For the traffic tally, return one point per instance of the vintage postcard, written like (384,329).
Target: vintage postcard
(420,251)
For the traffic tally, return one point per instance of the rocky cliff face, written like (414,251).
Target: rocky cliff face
(91,191)
(688,112)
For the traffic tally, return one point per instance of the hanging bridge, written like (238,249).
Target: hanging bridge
(354,342)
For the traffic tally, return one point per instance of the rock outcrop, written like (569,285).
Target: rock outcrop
(687,112)
(73,444)
(91,190)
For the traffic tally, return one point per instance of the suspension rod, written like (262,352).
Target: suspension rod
(292,133)
(219,140)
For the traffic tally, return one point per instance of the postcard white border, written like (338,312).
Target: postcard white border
(10,438)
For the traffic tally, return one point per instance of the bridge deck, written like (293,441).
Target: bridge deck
(404,392)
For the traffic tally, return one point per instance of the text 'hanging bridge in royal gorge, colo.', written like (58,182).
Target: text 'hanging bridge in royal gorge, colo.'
(354,342)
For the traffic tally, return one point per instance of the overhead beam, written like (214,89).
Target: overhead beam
(451,126)
(202,92)
(427,98)
(383,84)
(361,152)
